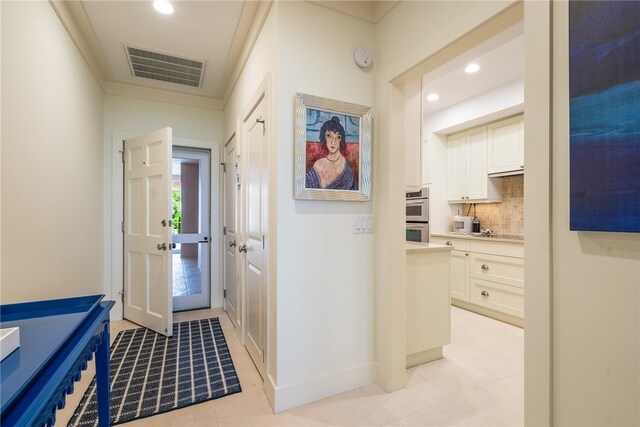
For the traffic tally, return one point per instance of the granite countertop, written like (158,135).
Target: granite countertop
(493,238)
(426,247)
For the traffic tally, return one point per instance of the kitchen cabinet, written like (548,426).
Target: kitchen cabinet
(467,177)
(505,142)
(428,302)
(487,276)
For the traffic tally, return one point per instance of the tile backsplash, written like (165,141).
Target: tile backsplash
(506,217)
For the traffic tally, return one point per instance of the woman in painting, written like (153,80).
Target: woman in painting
(332,172)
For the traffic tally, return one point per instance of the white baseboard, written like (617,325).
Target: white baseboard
(316,388)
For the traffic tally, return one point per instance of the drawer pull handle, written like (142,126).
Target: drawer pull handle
(485,267)
(484,293)
(449,243)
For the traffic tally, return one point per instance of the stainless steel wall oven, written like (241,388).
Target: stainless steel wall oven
(417,215)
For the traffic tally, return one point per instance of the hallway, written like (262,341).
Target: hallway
(479,382)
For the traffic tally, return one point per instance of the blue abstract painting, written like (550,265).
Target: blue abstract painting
(604,85)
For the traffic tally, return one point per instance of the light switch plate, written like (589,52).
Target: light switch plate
(362,224)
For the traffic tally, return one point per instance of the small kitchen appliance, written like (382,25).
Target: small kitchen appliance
(462,224)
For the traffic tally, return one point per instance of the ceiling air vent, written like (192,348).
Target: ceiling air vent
(166,68)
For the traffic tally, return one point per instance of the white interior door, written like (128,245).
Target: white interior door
(255,204)
(190,257)
(231,301)
(147,231)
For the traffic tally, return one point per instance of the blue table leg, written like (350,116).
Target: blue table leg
(102,379)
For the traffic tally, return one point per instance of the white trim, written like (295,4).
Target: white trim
(316,388)
(162,95)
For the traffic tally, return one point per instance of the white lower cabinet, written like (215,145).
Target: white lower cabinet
(428,305)
(496,296)
(459,275)
(487,276)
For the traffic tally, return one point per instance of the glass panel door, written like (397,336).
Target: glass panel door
(191,203)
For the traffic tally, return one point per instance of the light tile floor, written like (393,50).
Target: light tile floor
(186,276)
(479,382)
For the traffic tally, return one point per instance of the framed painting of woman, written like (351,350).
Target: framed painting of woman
(332,150)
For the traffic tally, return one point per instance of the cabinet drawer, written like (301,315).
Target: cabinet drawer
(504,298)
(486,246)
(507,270)
(458,244)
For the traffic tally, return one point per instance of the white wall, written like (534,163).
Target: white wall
(126,117)
(325,272)
(488,106)
(596,292)
(52,243)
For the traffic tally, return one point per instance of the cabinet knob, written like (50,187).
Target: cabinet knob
(484,293)
(521,166)
(485,267)
(242,249)
(449,243)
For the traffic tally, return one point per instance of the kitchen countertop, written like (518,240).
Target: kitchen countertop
(426,247)
(496,238)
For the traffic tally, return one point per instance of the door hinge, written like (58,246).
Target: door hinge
(263,241)
(224,293)
(224,230)
(121,296)
(224,167)
(122,226)
(122,155)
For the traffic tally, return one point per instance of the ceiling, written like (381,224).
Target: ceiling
(217,32)
(501,60)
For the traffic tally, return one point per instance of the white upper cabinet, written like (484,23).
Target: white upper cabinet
(506,146)
(457,166)
(467,179)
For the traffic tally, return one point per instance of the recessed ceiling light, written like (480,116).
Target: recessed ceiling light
(163,6)
(471,68)
(433,97)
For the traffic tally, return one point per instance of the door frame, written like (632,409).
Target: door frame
(114,241)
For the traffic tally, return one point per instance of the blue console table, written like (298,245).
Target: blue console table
(57,339)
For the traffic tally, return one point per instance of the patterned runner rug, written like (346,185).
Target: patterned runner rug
(151,373)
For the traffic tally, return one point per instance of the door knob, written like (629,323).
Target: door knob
(232,244)
(162,247)
(242,248)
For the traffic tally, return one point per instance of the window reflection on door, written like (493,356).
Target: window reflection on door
(190,221)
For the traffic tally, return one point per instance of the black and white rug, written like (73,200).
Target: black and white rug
(151,373)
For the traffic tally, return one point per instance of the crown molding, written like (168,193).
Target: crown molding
(66,12)
(368,10)
(161,95)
